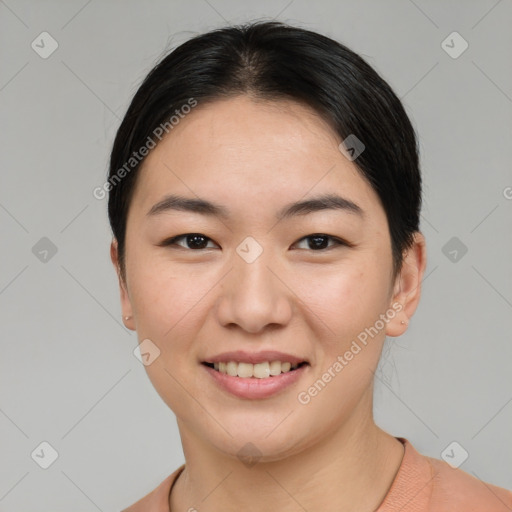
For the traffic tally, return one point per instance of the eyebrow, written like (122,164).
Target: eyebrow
(203,207)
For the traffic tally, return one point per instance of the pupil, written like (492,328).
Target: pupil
(316,239)
(195,239)
(318,242)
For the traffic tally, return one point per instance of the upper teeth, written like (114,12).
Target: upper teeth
(259,370)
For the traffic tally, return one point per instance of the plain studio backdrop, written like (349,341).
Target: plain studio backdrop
(71,387)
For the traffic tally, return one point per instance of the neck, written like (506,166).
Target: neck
(353,466)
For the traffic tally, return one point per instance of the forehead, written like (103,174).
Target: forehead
(246,153)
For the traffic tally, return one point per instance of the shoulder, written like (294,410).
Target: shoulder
(158,499)
(453,487)
(426,484)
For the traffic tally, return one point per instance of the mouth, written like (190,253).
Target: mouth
(261,380)
(263,370)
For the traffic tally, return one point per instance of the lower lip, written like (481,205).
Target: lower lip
(254,388)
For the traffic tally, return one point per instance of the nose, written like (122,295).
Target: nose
(254,296)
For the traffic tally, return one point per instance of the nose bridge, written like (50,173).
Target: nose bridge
(253,296)
(251,261)
(255,275)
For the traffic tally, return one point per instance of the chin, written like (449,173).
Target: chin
(256,445)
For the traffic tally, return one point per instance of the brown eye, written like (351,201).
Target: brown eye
(319,241)
(194,241)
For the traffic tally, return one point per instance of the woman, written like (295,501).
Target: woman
(265,195)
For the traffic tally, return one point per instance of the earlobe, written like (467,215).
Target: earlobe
(407,289)
(126,306)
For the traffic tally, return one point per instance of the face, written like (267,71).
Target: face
(306,284)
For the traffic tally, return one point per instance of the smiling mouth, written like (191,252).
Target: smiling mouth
(258,371)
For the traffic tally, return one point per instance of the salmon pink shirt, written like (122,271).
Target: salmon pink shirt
(422,484)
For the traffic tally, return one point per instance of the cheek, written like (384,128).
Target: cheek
(347,298)
(168,307)
(344,307)
(167,300)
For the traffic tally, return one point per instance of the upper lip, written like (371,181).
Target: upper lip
(241,356)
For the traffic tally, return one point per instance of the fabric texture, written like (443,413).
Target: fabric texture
(422,484)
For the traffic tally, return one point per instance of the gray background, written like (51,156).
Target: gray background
(68,375)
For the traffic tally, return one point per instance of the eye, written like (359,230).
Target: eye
(318,241)
(196,241)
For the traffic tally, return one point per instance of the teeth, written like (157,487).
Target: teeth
(259,370)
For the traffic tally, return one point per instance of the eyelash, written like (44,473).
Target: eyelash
(337,241)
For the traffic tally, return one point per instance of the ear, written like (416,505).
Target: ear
(407,286)
(126,305)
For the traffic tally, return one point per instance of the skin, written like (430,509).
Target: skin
(254,157)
